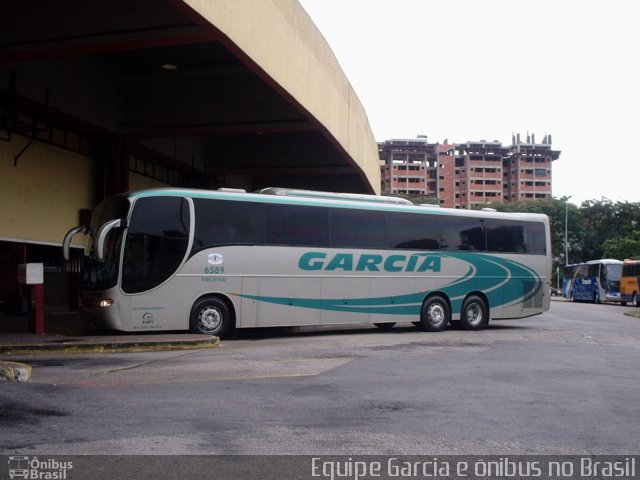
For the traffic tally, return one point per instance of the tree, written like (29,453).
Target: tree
(418,199)
(622,248)
(605,221)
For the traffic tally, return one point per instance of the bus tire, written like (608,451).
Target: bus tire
(474,314)
(435,314)
(385,326)
(210,316)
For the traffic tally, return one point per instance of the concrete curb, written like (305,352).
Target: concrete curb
(107,347)
(15,372)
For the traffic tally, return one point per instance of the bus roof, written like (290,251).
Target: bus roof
(329,199)
(603,260)
(292,192)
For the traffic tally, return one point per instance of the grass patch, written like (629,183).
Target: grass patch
(633,313)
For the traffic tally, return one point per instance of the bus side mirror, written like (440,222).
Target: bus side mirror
(67,239)
(102,236)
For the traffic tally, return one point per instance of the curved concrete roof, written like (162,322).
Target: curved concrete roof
(257,97)
(298,59)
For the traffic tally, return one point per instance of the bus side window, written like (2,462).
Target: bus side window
(594,272)
(353,228)
(413,232)
(462,233)
(222,222)
(295,225)
(504,236)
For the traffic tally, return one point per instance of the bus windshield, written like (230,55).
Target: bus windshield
(156,242)
(614,272)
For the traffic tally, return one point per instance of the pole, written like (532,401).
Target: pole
(38,308)
(566,230)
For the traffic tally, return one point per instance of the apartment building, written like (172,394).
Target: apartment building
(527,169)
(409,166)
(464,175)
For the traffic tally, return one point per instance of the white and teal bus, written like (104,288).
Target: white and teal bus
(214,261)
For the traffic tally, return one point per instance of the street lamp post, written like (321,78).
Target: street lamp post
(566,230)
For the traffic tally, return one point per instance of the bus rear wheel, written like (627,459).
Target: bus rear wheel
(475,313)
(435,314)
(210,316)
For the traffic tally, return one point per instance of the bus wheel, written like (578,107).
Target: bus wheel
(596,297)
(475,313)
(435,314)
(385,326)
(210,316)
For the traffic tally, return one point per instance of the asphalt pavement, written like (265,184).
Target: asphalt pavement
(66,334)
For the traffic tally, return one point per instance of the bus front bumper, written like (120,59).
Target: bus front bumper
(100,313)
(611,296)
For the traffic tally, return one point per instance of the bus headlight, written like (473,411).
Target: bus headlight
(105,302)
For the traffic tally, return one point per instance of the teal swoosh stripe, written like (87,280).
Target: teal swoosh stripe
(503,281)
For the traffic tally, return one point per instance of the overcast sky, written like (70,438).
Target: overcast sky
(484,69)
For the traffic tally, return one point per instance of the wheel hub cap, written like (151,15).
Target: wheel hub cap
(210,319)
(474,314)
(436,313)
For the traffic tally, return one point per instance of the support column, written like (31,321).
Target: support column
(114,156)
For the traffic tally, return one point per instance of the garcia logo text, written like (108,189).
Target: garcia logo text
(348,262)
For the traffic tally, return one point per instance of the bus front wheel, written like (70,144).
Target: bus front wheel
(435,314)
(475,313)
(210,316)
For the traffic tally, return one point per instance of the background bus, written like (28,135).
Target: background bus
(597,281)
(211,261)
(630,282)
(567,279)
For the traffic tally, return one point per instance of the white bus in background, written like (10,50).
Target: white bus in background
(213,261)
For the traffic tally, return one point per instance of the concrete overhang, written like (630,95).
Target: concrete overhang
(252,85)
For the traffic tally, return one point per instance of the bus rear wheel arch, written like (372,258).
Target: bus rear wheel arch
(211,315)
(435,314)
(475,312)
